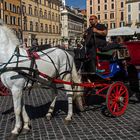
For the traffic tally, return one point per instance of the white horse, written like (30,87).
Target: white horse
(62,62)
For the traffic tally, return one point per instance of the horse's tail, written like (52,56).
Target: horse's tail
(78,96)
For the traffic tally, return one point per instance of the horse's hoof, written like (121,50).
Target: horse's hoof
(67,122)
(48,118)
(12,137)
(25,131)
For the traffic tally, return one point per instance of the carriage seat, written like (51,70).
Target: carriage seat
(110,46)
(117,52)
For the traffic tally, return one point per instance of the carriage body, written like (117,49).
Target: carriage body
(111,81)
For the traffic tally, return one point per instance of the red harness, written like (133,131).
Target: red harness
(33,55)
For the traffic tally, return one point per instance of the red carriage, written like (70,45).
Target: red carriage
(108,84)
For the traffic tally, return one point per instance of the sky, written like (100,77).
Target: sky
(77,3)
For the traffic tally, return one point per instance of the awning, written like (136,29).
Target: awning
(122,31)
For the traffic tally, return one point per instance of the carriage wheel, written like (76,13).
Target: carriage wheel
(117,98)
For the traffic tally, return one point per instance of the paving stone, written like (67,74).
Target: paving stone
(91,124)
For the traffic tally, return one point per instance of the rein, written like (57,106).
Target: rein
(16,53)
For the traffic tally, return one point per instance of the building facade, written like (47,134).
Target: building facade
(133,13)
(1,9)
(84,13)
(11,15)
(112,13)
(41,21)
(72,25)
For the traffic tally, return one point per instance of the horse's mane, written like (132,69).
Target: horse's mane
(11,35)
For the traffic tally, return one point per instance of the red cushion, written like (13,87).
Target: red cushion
(134,50)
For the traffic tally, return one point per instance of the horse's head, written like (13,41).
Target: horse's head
(8,42)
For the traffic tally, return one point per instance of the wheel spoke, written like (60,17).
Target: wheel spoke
(124,91)
(115,107)
(112,105)
(117,90)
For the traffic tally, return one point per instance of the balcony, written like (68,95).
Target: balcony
(131,1)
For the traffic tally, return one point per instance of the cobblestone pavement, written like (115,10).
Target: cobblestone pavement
(92,124)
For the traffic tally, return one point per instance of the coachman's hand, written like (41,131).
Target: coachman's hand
(95,30)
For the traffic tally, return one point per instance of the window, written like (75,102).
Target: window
(122,24)
(35,11)
(52,16)
(98,8)
(122,16)
(90,10)
(98,1)
(56,17)
(49,15)
(31,26)
(53,29)
(98,17)
(46,28)
(11,19)
(106,25)
(23,9)
(112,16)
(129,18)
(5,5)
(36,26)
(41,41)
(14,9)
(30,10)
(112,6)
(139,6)
(46,41)
(129,8)
(41,13)
(112,25)
(6,19)
(57,30)
(90,2)
(105,16)
(122,4)
(10,7)
(18,9)
(105,7)
(45,14)
(105,1)
(50,29)
(41,27)
(14,20)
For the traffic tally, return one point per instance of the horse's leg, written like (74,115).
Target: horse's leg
(54,95)
(78,96)
(70,107)
(26,126)
(70,98)
(17,97)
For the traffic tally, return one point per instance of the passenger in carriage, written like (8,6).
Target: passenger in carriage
(95,37)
